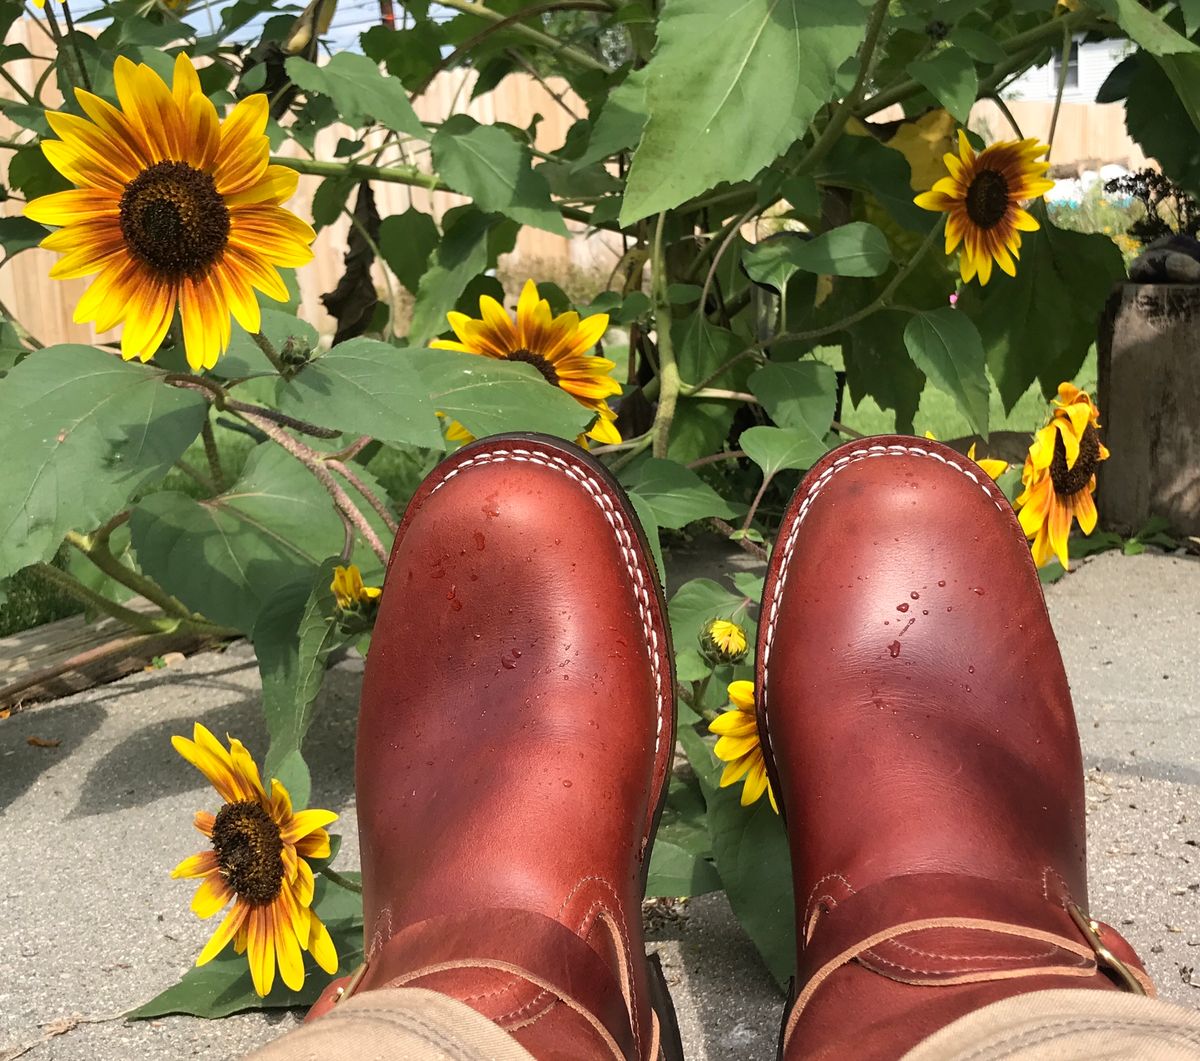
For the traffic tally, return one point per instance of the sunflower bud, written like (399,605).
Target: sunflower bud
(723,641)
(296,351)
(356,603)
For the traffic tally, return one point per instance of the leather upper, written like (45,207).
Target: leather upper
(517,717)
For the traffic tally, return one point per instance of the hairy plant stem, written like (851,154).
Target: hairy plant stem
(668,370)
(1062,84)
(716,458)
(315,462)
(272,355)
(544,40)
(212,455)
(143,624)
(746,545)
(845,109)
(373,500)
(879,302)
(340,881)
(1021,47)
(85,81)
(409,175)
(95,548)
(757,501)
(197,476)
(1008,114)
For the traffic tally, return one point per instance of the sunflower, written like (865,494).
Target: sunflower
(1060,475)
(556,346)
(259,847)
(348,589)
(991,467)
(982,195)
(739,747)
(173,208)
(723,641)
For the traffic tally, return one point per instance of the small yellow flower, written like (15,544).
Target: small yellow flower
(723,641)
(348,589)
(558,347)
(739,746)
(983,197)
(173,209)
(259,848)
(992,468)
(1060,475)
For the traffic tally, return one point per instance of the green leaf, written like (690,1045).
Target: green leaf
(293,637)
(801,395)
(360,91)
(945,345)
(463,254)
(717,63)
(776,448)
(329,200)
(619,125)
(1040,323)
(856,249)
(228,556)
(1147,29)
(950,76)
(769,261)
(224,986)
(364,387)
(676,873)
(489,396)
(487,164)
(979,45)
(406,241)
(18,234)
(649,522)
(1154,115)
(676,495)
(753,859)
(82,432)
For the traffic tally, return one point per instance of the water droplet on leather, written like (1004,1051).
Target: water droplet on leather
(901,607)
(508,664)
(915,595)
(942,582)
(924,611)
(977,590)
(456,605)
(567,784)
(480,540)
(894,649)
(971,670)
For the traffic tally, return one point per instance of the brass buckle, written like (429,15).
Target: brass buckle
(1091,930)
(349,989)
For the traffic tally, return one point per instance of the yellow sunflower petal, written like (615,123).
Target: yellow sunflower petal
(226,930)
(260,946)
(212,895)
(741,693)
(735,723)
(604,432)
(305,822)
(1083,505)
(186,83)
(242,157)
(219,776)
(196,865)
(321,947)
(288,955)
(736,770)
(755,784)
(314,845)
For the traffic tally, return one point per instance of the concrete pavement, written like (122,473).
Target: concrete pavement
(91,925)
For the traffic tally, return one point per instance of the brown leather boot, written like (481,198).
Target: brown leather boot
(514,743)
(920,738)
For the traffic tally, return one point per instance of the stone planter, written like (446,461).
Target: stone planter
(1149,362)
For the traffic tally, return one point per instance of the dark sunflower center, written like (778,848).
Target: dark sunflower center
(1072,480)
(174,220)
(987,198)
(538,362)
(249,847)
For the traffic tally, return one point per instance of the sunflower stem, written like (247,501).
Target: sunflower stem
(757,501)
(342,882)
(747,546)
(668,370)
(315,463)
(1062,84)
(95,548)
(372,498)
(143,624)
(212,454)
(272,355)
(73,33)
(579,58)
(845,109)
